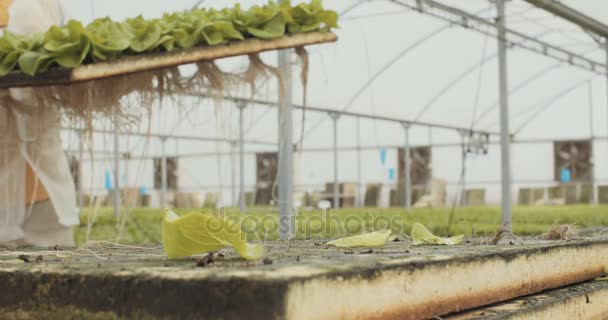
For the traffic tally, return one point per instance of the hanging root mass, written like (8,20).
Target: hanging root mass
(128,98)
(563,232)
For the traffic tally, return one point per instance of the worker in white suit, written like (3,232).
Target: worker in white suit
(37,192)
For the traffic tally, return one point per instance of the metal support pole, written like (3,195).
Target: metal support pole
(407,181)
(241,106)
(606,47)
(360,193)
(116,169)
(81,203)
(505,139)
(285,170)
(233,195)
(463,190)
(126,157)
(592,136)
(336,192)
(163,173)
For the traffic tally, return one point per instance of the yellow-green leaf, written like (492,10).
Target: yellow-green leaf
(196,233)
(422,235)
(370,240)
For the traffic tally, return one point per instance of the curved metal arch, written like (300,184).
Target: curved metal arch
(552,102)
(352,7)
(486,111)
(523,84)
(470,70)
(391,62)
(453,83)
(383,69)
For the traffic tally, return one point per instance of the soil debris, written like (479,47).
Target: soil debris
(562,232)
(205,260)
(502,235)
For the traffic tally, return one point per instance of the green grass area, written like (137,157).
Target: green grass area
(143,225)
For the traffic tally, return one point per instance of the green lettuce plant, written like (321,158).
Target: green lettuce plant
(74,44)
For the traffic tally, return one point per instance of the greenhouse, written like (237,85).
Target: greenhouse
(360,159)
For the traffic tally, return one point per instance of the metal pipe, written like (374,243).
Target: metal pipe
(242,205)
(514,141)
(407,197)
(505,143)
(116,169)
(463,192)
(174,137)
(360,193)
(477,23)
(336,187)
(285,154)
(163,174)
(349,114)
(606,48)
(81,203)
(582,20)
(234,197)
(592,135)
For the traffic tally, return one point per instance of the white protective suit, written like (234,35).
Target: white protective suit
(30,134)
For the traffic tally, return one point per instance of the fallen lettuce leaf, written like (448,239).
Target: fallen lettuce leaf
(196,233)
(422,235)
(369,240)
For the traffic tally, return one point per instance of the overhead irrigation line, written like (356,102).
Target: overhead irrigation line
(106,155)
(514,38)
(169,136)
(344,113)
(561,31)
(561,10)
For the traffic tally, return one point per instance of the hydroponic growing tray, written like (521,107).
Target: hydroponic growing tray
(158,61)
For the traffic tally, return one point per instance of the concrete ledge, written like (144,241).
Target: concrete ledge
(304,281)
(588,300)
